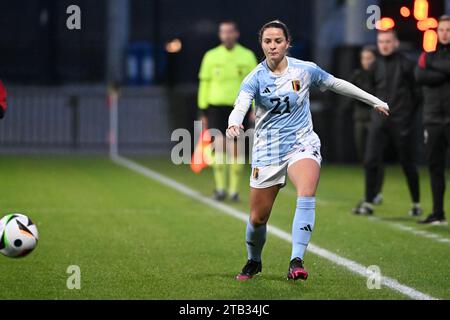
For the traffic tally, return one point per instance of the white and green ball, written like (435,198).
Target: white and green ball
(18,235)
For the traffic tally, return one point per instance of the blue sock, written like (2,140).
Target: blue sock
(255,239)
(303,225)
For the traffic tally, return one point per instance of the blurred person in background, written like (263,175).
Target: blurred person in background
(361,114)
(392,75)
(3,96)
(222,70)
(433,73)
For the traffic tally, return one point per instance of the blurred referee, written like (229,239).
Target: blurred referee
(221,73)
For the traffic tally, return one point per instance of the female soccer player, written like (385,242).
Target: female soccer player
(284,141)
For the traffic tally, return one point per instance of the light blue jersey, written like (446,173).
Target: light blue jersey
(283,117)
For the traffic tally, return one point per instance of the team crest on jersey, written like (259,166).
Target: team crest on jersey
(255,173)
(296,85)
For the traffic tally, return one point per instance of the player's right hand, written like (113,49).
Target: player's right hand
(234,131)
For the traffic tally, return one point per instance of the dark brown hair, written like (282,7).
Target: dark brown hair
(275,24)
(393,31)
(232,22)
(444,18)
(369,48)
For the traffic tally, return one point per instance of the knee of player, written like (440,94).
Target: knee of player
(257,220)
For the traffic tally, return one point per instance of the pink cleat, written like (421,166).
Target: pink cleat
(296,270)
(251,269)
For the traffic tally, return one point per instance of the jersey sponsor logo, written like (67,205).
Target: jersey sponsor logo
(255,173)
(296,85)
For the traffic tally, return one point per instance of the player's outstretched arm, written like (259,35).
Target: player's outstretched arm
(350,90)
(241,107)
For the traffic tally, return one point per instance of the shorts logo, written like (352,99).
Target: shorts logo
(255,173)
(296,85)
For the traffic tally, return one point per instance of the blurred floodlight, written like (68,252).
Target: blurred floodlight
(405,12)
(430,40)
(429,23)
(385,24)
(421,9)
(174,46)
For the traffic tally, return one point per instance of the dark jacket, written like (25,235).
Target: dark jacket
(394,82)
(361,111)
(3,104)
(433,73)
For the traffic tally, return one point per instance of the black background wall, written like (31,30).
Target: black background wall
(36,47)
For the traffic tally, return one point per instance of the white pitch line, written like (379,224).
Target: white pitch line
(414,231)
(346,263)
(420,233)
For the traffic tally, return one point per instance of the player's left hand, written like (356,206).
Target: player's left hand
(383,110)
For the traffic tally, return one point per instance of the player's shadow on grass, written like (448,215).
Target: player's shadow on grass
(232,276)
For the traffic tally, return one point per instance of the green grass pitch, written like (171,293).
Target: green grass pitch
(134,238)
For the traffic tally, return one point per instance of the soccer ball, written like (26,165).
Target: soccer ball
(18,235)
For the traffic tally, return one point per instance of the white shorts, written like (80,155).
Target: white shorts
(274,175)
